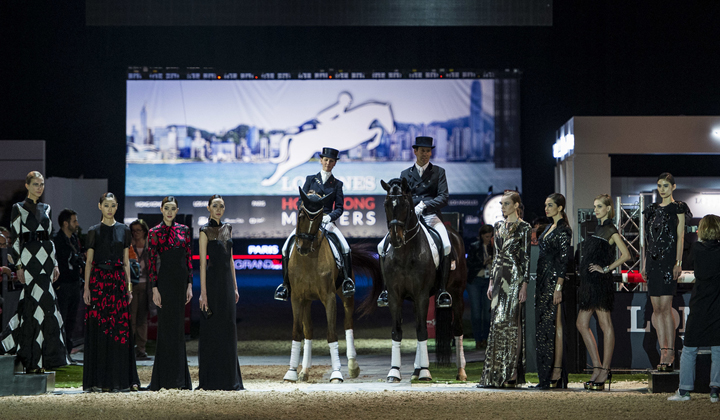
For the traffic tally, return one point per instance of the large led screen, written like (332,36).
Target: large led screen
(255,141)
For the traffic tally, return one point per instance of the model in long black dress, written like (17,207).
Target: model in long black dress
(35,331)
(661,246)
(109,362)
(170,270)
(552,264)
(217,347)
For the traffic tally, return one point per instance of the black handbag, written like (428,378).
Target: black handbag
(134,271)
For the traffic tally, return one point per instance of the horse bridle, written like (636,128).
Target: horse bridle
(313,217)
(395,222)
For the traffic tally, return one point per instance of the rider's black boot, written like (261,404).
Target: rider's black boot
(283,291)
(348,286)
(444,300)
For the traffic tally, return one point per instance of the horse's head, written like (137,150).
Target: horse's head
(399,210)
(310,213)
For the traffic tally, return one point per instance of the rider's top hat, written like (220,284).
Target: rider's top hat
(423,141)
(331,153)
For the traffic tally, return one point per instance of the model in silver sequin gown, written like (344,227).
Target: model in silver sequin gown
(505,353)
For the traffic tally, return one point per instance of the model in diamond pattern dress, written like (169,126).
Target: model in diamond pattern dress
(35,331)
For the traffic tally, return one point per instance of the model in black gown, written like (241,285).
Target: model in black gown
(552,264)
(217,347)
(109,362)
(34,333)
(170,274)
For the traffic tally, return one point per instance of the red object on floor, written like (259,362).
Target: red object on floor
(634,277)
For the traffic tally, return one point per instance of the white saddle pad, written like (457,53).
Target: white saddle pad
(433,246)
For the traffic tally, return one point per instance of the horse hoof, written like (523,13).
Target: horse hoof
(415,375)
(303,377)
(336,377)
(424,375)
(353,368)
(426,379)
(291,376)
(392,380)
(461,376)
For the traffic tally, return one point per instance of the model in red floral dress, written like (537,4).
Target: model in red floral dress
(170,276)
(109,361)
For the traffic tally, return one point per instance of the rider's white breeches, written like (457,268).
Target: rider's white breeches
(433,221)
(330,227)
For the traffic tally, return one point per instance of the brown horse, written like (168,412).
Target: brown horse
(313,275)
(409,273)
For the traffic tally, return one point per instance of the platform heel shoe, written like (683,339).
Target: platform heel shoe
(560,382)
(599,386)
(667,367)
(588,383)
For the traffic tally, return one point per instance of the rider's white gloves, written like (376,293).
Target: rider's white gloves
(419,208)
(326,219)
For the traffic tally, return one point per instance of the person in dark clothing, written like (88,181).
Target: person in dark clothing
(68,286)
(703,323)
(480,256)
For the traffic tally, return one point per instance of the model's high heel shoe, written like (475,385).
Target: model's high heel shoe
(599,386)
(558,383)
(667,367)
(588,383)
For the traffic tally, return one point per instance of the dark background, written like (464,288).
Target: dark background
(64,82)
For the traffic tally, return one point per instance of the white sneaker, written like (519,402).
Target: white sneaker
(714,398)
(679,397)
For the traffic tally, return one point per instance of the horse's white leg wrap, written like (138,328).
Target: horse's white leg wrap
(416,365)
(350,343)
(395,361)
(292,374)
(295,355)
(307,355)
(335,361)
(459,352)
(424,360)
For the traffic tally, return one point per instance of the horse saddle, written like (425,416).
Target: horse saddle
(438,243)
(335,247)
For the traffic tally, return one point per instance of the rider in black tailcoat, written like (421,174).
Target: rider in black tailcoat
(324,184)
(429,188)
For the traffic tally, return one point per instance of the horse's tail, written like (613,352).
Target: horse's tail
(443,335)
(284,146)
(371,264)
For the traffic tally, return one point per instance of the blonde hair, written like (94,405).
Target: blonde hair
(709,228)
(605,199)
(515,197)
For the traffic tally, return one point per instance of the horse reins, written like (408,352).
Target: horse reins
(395,222)
(312,216)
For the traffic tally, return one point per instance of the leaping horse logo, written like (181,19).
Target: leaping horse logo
(340,126)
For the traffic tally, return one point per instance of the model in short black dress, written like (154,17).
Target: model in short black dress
(217,346)
(109,362)
(661,246)
(552,264)
(596,291)
(170,270)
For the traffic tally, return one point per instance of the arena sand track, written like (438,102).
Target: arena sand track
(272,399)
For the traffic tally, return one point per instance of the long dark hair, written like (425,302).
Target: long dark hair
(559,201)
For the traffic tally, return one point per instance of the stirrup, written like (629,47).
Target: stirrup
(281,293)
(443,300)
(382,300)
(348,287)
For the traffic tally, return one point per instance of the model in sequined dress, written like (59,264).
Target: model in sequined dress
(109,361)
(554,244)
(505,352)
(596,291)
(664,236)
(217,347)
(170,276)
(34,333)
